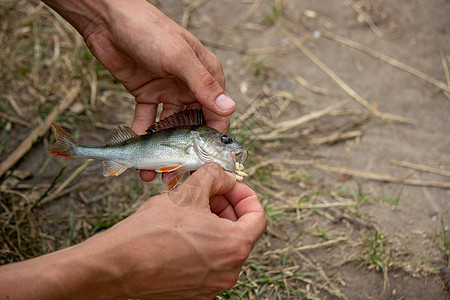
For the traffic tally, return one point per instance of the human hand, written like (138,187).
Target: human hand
(173,247)
(156,60)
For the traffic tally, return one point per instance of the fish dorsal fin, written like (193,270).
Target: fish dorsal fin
(193,117)
(119,135)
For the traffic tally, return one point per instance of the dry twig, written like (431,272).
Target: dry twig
(74,175)
(15,120)
(420,167)
(311,87)
(308,247)
(193,5)
(447,74)
(383,57)
(39,131)
(383,116)
(380,177)
(367,18)
(283,126)
(335,137)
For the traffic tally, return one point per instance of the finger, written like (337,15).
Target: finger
(174,92)
(248,209)
(243,199)
(170,109)
(222,207)
(212,64)
(164,90)
(215,121)
(208,181)
(144,116)
(194,105)
(147,175)
(205,87)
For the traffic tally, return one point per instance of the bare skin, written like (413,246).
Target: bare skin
(156,60)
(189,243)
(173,247)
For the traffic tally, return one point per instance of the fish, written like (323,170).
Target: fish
(174,146)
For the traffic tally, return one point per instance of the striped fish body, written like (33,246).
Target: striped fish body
(178,144)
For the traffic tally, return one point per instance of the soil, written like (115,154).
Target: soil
(258,59)
(415,33)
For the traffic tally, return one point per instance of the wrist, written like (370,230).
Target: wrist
(88,271)
(84,15)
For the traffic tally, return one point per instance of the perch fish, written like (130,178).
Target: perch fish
(177,144)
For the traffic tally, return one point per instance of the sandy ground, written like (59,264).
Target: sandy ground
(405,119)
(413,32)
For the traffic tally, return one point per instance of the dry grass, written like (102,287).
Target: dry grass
(49,203)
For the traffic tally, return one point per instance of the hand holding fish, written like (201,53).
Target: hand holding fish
(173,247)
(157,60)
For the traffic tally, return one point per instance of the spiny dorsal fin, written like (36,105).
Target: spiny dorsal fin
(119,135)
(183,118)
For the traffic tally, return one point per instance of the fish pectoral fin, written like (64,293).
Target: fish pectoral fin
(201,153)
(168,168)
(113,168)
(171,180)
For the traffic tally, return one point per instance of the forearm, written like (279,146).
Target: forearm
(84,15)
(90,15)
(72,273)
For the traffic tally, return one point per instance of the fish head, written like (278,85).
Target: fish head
(222,149)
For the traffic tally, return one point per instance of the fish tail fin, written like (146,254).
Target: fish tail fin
(65,144)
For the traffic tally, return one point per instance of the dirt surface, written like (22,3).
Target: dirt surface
(415,33)
(391,240)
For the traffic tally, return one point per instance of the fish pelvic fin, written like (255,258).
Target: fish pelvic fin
(171,179)
(171,176)
(65,144)
(168,168)
(113,168)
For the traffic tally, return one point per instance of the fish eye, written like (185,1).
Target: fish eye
(226,139)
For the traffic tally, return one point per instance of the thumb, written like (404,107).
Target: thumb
(208,181)
(205,86)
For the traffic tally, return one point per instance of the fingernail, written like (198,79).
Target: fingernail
(224,102)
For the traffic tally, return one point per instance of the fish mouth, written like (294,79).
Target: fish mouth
(241,156)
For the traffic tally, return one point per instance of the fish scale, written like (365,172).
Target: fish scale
(178,144)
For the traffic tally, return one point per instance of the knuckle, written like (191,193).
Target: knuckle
(240,251)
(208,80)
(228,283)
(216,65)
(176,55)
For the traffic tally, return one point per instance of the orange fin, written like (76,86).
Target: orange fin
(171,180)
(59,153)
(65,144)
(112,168)
(169,168)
